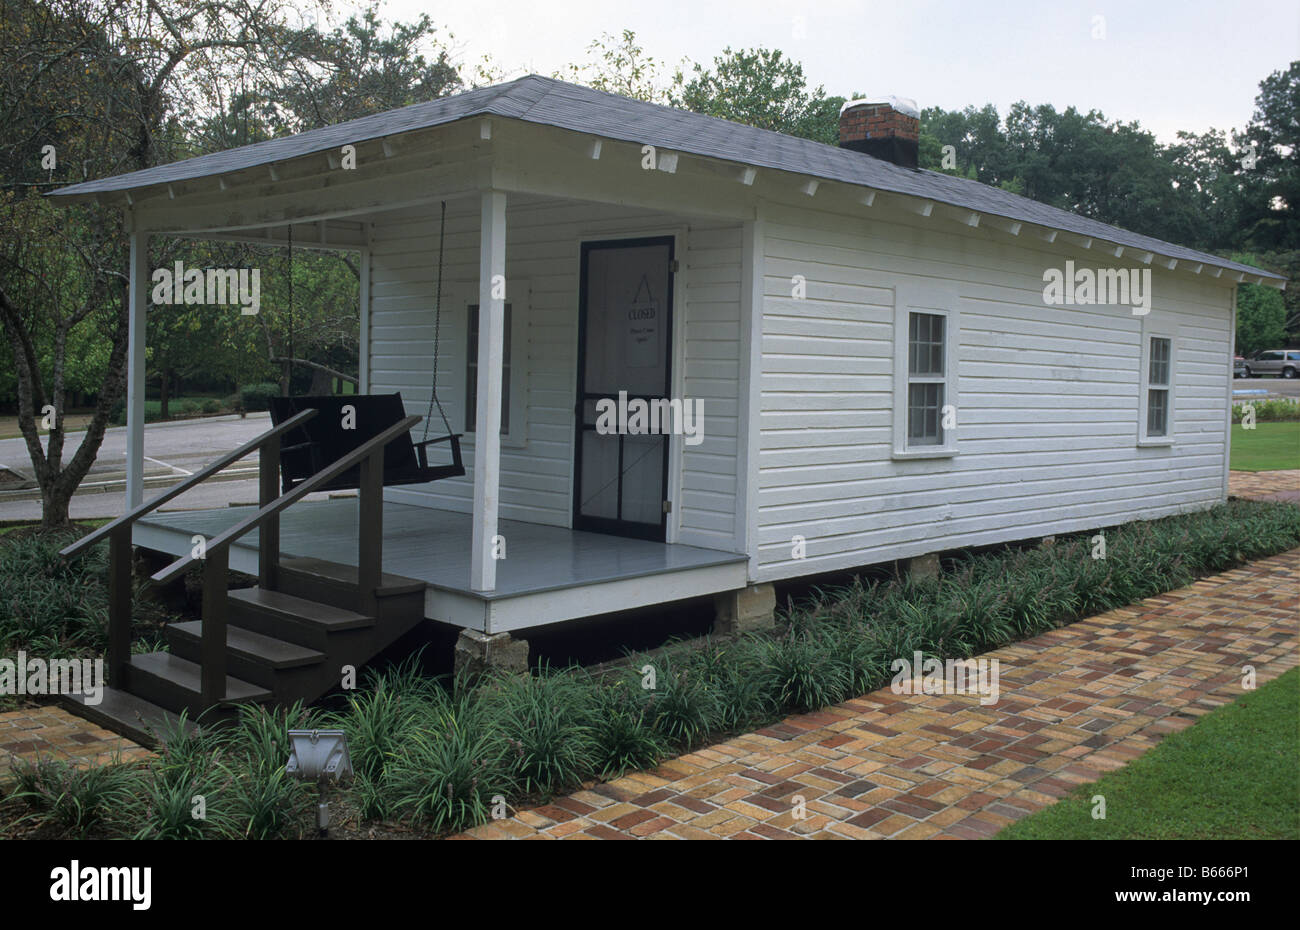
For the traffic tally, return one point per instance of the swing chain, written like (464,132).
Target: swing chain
(437,325)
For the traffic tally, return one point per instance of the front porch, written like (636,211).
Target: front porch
(549,573)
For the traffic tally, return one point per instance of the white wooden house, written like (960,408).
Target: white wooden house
(830,306)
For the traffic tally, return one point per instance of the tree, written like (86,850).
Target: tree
(1261,318)
(1271,164)
(763,88)
(102,82)
(620,66)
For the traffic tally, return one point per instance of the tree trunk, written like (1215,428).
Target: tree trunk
(163,413)
(54,507)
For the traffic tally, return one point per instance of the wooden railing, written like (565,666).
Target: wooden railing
(216,552)
(118,533)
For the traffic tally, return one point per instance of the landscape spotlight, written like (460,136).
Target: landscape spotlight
(320,756)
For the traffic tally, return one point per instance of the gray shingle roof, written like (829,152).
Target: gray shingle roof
(550,102)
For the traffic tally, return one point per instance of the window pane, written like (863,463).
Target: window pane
(925,344)
(924,403)
(471,372)
(1158,372)
(1157,412)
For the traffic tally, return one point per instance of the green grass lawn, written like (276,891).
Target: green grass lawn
(1234,775)
(1267,447)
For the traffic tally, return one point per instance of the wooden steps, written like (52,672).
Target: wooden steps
(281,647)
(133,717)
(174,683)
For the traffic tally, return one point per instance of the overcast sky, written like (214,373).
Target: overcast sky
(1170,65)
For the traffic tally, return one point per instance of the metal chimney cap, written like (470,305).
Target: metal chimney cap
(905,105)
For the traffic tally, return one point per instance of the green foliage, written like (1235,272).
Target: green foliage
(623,734)
(1271,185)
(266,803)
(1261,318)
(452,765)
(255,396)
(543,721)
(806,672)
(763,88)
(685,706)
(73,799)
(58,607)
(1269,410)
(48,604)
(166,809)
(261,741)
(617,65)
(383,715)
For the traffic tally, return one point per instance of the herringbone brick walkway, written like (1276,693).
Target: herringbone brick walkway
(1075,703)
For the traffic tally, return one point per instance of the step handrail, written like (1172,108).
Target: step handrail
(216,551)
(224,539)
(107,530)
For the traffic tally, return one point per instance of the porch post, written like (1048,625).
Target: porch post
(487,417)
(138,287)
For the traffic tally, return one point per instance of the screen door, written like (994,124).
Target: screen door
(624,349)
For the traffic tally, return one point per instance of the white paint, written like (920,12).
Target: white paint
(491,328)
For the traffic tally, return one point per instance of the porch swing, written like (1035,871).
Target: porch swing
(333,432)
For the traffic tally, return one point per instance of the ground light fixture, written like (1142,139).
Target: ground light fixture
(320,756)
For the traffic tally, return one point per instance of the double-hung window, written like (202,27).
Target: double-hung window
(925,378)
(925,384)
(512,387)
(1158,387)
(1156,397)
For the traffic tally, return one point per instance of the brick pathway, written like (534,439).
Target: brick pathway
(1075,703)
(48,730)
(1265,485)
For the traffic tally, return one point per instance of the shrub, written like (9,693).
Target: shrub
(261,739)
(453,765)
(378,720)
(1270,410)
(254,396)
(541,717)
(684,707)
(74,799)
(264,803)
(210,405)
(49,604)
(738,675)
(805,672)
(181,809)
(623,735)
(185,753)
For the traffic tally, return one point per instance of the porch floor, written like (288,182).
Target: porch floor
(433,546)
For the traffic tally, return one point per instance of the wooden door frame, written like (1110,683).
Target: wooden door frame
(657,532)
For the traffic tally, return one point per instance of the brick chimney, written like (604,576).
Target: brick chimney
(887,128)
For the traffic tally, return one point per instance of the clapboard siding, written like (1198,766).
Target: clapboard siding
(1048,397)
(712,375)
(542,249)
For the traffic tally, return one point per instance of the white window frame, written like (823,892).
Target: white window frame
(1155,330)
(939,299)
(517,297)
